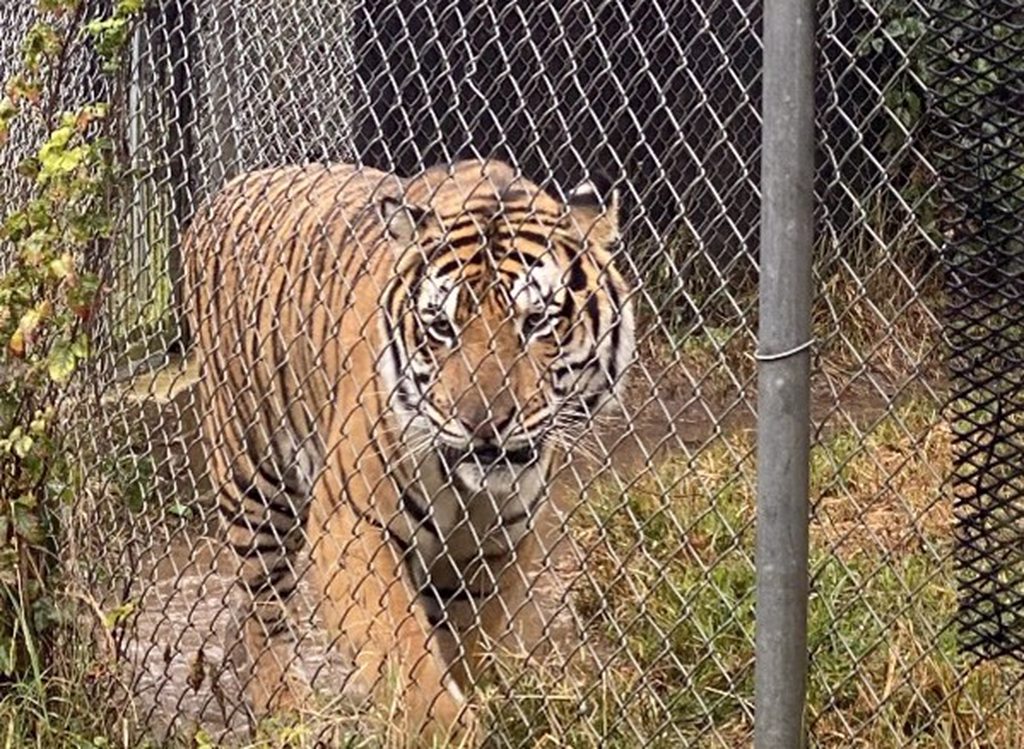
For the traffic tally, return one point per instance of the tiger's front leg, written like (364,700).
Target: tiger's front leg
(369,602)
(509,622)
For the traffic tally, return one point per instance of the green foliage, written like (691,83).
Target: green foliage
(61,210)
(893,53)
(978,54)
(950,74)
(111,34)
(894,47)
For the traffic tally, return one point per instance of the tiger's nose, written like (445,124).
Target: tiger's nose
(485,419)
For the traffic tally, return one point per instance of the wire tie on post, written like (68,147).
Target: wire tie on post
(785,354)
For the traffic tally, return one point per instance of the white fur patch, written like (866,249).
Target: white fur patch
(586,188)
(454,691)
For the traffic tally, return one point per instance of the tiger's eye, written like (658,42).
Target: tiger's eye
(533,322)
(442,329)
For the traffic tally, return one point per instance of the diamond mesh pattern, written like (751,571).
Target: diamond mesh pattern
(982,145)
(642,590)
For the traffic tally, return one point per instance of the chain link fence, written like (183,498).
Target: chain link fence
(639,628)
(979,155)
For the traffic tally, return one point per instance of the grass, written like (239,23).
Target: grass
(65,702)
(666,604)
(668,592)
(664,598)
(876,314)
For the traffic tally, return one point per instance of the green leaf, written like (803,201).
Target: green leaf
(15,226)
(128,7)
(101,26)
(119,614)
(58,6)
(80,346)
(61,362)
(179,510)
(62,267)
(41,42)
(895,27)
(56,162)
(22,445)
(29,167)
(8,568)
(914,26)
(27,524)
(8,109)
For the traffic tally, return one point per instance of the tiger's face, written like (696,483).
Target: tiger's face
(507,326)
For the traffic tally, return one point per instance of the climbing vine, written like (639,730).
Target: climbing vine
(61,211)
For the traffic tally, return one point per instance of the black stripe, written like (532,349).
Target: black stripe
(591,401)
(277,480)
(612,368)
(547,241)
(394,335)
(254,549)
(594,313)
(454,595)
(401,543)
(616,332)
(395,469)
(523,514)
(236,517)
(526,258)
(518,517)
(580,365)
(613,296)
(252,492)
(277,627)
(228,506)
(529,213)
(453,265)
(407,503)
(568,311)
(463,241)
(389,534)
(510,277)
(577,278)
(270,581)
(465,219)
(438,620)
(366,515)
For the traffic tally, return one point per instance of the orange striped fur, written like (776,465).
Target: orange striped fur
(391,370)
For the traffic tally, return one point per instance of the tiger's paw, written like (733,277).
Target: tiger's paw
(444,719)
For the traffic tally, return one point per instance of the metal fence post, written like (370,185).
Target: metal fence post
(787,233)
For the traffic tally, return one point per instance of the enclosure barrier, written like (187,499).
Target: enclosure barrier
(784,309)
(886,564)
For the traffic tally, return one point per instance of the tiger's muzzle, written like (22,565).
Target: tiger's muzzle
(490,455)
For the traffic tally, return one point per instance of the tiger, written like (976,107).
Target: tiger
(391,369)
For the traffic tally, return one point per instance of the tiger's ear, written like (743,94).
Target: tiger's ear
(594,205)
(401,220)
